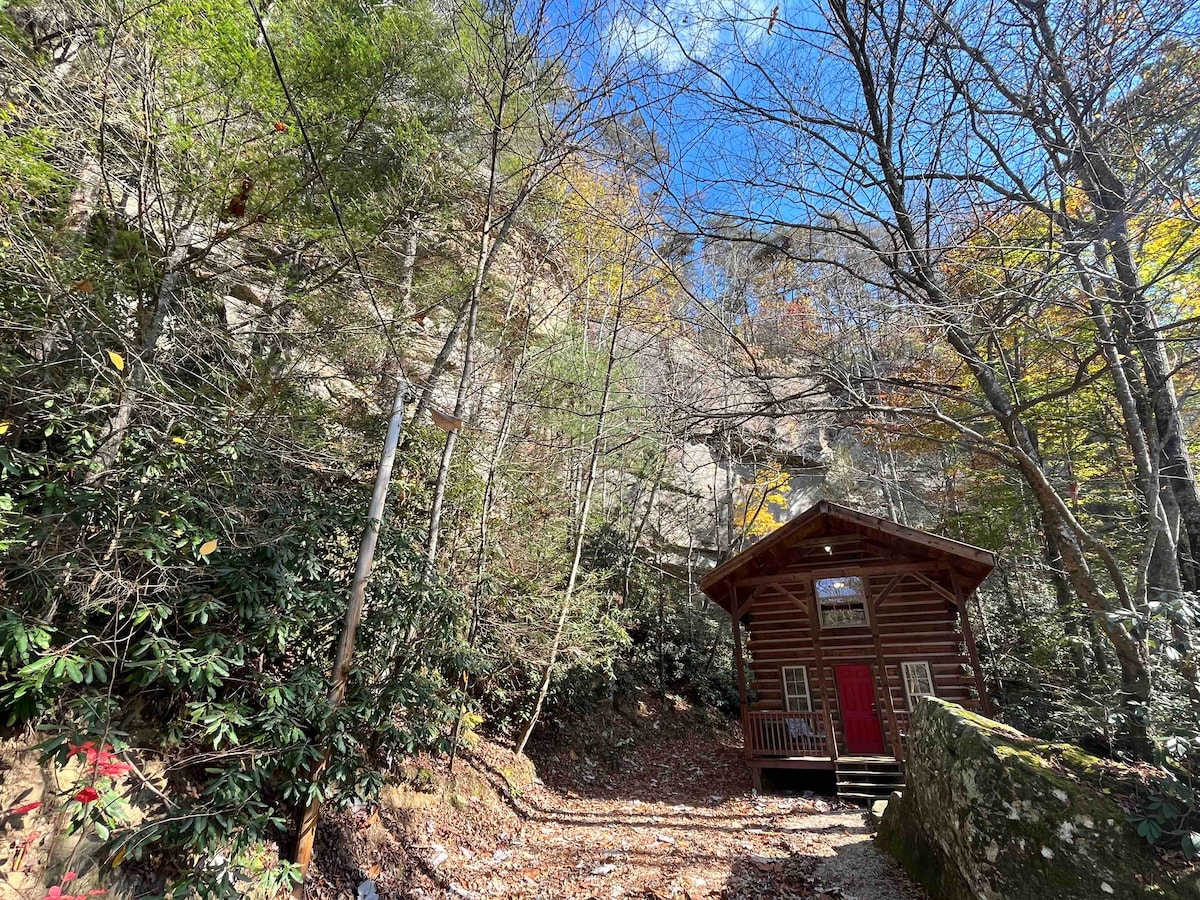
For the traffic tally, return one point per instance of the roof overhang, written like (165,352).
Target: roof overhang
(970,564)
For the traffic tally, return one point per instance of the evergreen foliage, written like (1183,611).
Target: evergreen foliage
(229,230)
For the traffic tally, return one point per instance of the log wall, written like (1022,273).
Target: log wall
(915,621)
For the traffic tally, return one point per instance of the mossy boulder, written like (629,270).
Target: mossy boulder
(990,813)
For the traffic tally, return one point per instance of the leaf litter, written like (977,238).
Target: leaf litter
(673,817)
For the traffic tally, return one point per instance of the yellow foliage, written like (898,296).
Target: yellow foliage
(752,514)
(608,230)
(1170,248)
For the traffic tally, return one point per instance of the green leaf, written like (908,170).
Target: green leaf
(1150,830)
(1191,845)
(73,671)
(37,665)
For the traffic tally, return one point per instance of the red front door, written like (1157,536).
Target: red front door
(856,697)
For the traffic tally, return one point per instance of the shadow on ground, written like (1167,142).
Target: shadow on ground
(665,811)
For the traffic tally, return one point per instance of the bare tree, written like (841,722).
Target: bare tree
(906,132)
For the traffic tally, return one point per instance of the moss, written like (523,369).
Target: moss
(990,725)
(992,813)
(1028,757)
(423,780)
(899,835)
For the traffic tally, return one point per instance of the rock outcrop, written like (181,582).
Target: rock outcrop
(991,813)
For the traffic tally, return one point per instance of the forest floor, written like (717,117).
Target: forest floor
(671,814)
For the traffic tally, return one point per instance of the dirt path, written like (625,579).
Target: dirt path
(676,819)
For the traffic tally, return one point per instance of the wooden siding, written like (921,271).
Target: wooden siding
(913,622)
(915,585)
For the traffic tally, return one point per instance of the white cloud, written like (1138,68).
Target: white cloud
(668,33)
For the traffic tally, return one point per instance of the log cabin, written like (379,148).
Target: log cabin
(841,622)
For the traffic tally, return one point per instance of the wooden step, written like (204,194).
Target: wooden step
(864,796)
(868,780)
(880,772)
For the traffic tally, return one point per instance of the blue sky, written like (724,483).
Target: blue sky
(668,45)
(691,55)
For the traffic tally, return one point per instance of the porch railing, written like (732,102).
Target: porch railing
(772,734)
(775,734)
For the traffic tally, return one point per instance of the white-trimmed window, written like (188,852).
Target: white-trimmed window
(796,697)
(918,682)
(841,602)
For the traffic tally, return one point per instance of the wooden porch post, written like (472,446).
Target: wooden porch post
(892,727)
(741,672)
(985,702)
(814,626)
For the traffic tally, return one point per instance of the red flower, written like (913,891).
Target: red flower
(87,795)
(113,767)
(24,808)
(102,760)
(56,892)
(88,748)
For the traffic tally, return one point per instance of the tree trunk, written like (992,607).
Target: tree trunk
(636,537)
(489,498)
(440,362)
(443,474)
(1067,606)
(914,269)
(580,533)
(1162,564)
(165,304)
(1111,197)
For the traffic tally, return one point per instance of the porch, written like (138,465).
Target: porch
(806,740)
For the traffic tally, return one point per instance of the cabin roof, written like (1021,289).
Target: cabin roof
(972,564)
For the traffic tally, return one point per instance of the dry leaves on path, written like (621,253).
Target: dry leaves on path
(676,819)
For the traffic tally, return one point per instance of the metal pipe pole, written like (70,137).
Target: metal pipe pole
(358,592)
